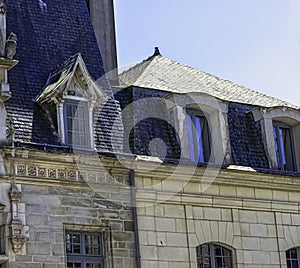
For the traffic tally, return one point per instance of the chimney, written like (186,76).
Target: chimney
(103,20)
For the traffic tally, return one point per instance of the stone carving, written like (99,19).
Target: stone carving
(17,242)
(2,6)
(68,174)
(16,226)
(14,194)
(11,46)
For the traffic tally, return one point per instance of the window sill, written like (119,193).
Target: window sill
(3,258)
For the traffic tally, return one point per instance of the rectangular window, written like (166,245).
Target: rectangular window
(84,250)
(198,136)
(77,123)
(284,146)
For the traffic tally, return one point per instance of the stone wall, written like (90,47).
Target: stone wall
(256,215)
(73,195)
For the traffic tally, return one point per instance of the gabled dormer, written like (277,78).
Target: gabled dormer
(72,92)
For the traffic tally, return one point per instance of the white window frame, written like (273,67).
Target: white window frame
(62,127)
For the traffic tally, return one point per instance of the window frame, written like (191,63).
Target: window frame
(85,105)
(199,153)
(212,256)
(83,258)
(294,259)
(281,150)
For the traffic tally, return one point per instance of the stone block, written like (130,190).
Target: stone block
(258,230)
(165,224)
(180,225)
(263,194)
(226,215)
(265,217)
(174,211)
(146,223)
(245,192)
(212,214)
(173,254)
(248,216)
(268,244)
(197,212)
(176,239)
(250,243)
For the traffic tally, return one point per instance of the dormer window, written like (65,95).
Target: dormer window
(201,122)
(198,136)
(281,136)
(284,148)
(75,94)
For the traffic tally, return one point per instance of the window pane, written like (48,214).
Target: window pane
(76,124)
(227,262)
(190,137)
(80,112)
(226,252)
(199,142)
(204,263)
(93,265)
(295,264)
(282,146)
(293,253)
(218,251)
(218,262)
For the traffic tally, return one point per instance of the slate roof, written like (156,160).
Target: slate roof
(161,73)
(48,35)
(159,76)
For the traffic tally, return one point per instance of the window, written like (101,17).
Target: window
(84,250)
(76,123)
(283,146)
(198,136)
(293,258)
(213,256)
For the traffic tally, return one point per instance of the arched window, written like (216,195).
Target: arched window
(214,256)
(293,258)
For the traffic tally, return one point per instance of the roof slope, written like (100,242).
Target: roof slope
(158,72)
(48,35)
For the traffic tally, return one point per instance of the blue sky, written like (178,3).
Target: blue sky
(255,43)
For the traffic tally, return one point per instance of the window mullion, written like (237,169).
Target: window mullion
(212,255)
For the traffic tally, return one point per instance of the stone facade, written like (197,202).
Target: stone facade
(61,193)
(256,215)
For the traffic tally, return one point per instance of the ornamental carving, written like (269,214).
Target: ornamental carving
(66,174)
(17,242)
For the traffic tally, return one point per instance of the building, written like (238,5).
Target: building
(220,186)
(170,167)
(61,205)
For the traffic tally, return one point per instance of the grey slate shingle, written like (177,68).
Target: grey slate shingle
(47,37)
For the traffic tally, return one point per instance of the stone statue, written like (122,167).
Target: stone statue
(11,46)
(2,7)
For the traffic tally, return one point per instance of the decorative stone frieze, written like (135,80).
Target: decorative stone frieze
(66,174)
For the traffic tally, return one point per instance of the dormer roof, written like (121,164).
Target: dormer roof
(73,76)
